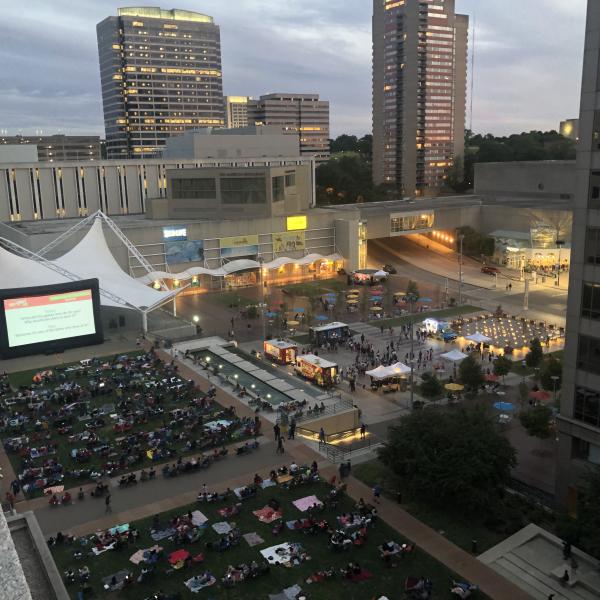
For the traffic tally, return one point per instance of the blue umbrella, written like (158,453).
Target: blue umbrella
(376,298)
(298,310)
(330,295)
(270,315)
(504,406)
(321,318)
(425,300)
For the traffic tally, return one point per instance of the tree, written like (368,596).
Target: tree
(471,375)
(452,458)
(588,511)
(536,421)
(431,387)
(412,288)
(535,356)
(502,366)
(551,367)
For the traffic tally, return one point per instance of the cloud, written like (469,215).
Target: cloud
(528,61)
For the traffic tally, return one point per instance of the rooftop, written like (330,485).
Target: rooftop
(153,12)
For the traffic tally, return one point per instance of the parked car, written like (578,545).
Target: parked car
(389,269)
(489,270)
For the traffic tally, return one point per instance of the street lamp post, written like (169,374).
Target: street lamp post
(412,299)
(559,244)
(261,261)
(461,238)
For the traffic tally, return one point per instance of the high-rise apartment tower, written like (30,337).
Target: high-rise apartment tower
(419,92)
(161,75)
(236,111)
(302,115)
(579,419)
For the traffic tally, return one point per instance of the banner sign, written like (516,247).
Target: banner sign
(289,241)
(177,252)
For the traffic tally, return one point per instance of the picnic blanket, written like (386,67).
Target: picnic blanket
(119,577)
(178,556)
(362,576)
(195,586)
(253,539)
(279,554)
(198,518)
(287,594)
(293,525)
(267,514)
(124,528)
(304,504)
(139,556)
(267,483)
(221,528)
(98,552)
(162,534)
(238,491)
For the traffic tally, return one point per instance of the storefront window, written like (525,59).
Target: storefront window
(411,222)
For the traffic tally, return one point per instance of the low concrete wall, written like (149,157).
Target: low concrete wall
(342,421)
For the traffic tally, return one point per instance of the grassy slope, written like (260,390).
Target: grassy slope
(386,581)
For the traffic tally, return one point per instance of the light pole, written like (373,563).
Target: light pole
(555,379)
(261,261)
(461,238)
(412,299)
(559,244)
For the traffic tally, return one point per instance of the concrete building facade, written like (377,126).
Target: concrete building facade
(579,419)
(236,111)
(57,148)
(245,142)
(45,191)
(419,92)
(161,75)
(304,116)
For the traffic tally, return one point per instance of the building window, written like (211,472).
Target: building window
(587,406)
(594,191)
(590,304)
(243,190)
(580,449)
(194,188)
(592,245)
(589,354)
(278,186)
(290,179)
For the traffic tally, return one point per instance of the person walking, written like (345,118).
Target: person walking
(277,431)
(280,448)
(363,431)
(321,436)
(107,503)
(376,493)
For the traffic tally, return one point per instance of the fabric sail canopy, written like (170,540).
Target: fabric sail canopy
(395,370)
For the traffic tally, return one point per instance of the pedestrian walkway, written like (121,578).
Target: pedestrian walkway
(436,545)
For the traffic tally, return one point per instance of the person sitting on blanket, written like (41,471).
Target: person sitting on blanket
(257,479)
(84,573)
(70,576)
(352,570)
(320,576)
(204,579)
(293,468)
(277,528)
(360,505)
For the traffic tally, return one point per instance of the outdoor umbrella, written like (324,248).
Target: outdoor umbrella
(478,338)
(354,291)
(352,296)
(540,395)
(376,308)
(454,356)
(321,318)
(298,310)
(399,293)
(425,300)
(352,301)
(270,315)
(504,406)
(454,387)
(376,298)
(293,323)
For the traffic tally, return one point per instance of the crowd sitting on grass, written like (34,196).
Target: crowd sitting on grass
(102,417)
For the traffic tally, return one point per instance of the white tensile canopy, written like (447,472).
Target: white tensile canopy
(242,264)
(92,258)
(454,356)
(395,370)
(20,272)
(478,338)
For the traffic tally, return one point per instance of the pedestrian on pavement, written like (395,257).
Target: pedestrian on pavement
(280,448)
(376,493)
(321,436)
(10,500)
(276,431)
(363,431)
(107,502)
(550,596)
(292,430)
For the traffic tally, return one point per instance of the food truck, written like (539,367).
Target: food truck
(322,334)
(317,369)
(439,329)
(280,351)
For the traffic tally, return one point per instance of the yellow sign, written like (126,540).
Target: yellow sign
(288,241)
(239,240)
(298,223)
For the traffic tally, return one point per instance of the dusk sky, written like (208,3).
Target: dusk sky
(527,65)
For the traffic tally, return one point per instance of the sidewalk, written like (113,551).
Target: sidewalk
(436,545)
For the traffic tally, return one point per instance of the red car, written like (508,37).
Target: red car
(488,270)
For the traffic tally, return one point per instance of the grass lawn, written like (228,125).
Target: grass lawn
(146,409)
(314,288)
(386,580)
(435,314)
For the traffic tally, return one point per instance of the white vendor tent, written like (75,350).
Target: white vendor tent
(454,356)
(395,370)
(478,338)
